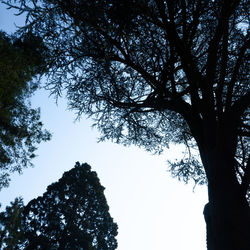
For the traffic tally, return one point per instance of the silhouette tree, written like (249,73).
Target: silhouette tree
(157,71)
(72,214)
(20,126)
(11,230)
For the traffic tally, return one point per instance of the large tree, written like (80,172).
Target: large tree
(157,71)
(72,214)
(11,226)
(21,129)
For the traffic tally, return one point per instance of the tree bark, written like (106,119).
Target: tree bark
(229,231)
(227,214)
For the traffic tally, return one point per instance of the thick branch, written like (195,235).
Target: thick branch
(246,178)
(190,68)
(222,72)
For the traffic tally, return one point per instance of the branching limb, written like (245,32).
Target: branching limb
(246,178)
(231,84)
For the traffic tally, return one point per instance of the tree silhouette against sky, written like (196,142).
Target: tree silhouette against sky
(154,72)
(72,214)
(20,126)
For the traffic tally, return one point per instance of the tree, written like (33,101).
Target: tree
(154,72)
(20,126)
(11,230)
(72,214)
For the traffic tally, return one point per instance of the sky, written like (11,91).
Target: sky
(153,211)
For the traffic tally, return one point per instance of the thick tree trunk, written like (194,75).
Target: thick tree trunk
(227,214)
(229,230)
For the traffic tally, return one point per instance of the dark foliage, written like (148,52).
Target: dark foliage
(20,126)
(150,72)
(72,214)
(154,72)
(11,226)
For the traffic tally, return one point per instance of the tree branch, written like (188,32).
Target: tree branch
(190,68)
(235,73)
(226,11)
(223,68)
(246,178)
(192,27)
(240,106)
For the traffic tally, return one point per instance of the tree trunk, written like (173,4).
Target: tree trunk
(227,214)
(229,231)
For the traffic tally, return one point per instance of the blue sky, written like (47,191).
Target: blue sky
(153,211)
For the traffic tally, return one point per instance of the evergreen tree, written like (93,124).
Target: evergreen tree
(11,230)
(72,214)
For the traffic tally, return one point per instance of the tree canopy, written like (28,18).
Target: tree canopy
(72,214)
(151,72)
(158,71)
(20,126)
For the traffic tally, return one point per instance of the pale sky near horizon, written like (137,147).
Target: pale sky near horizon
(153,211)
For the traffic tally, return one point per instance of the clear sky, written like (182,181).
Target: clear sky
(153,211)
